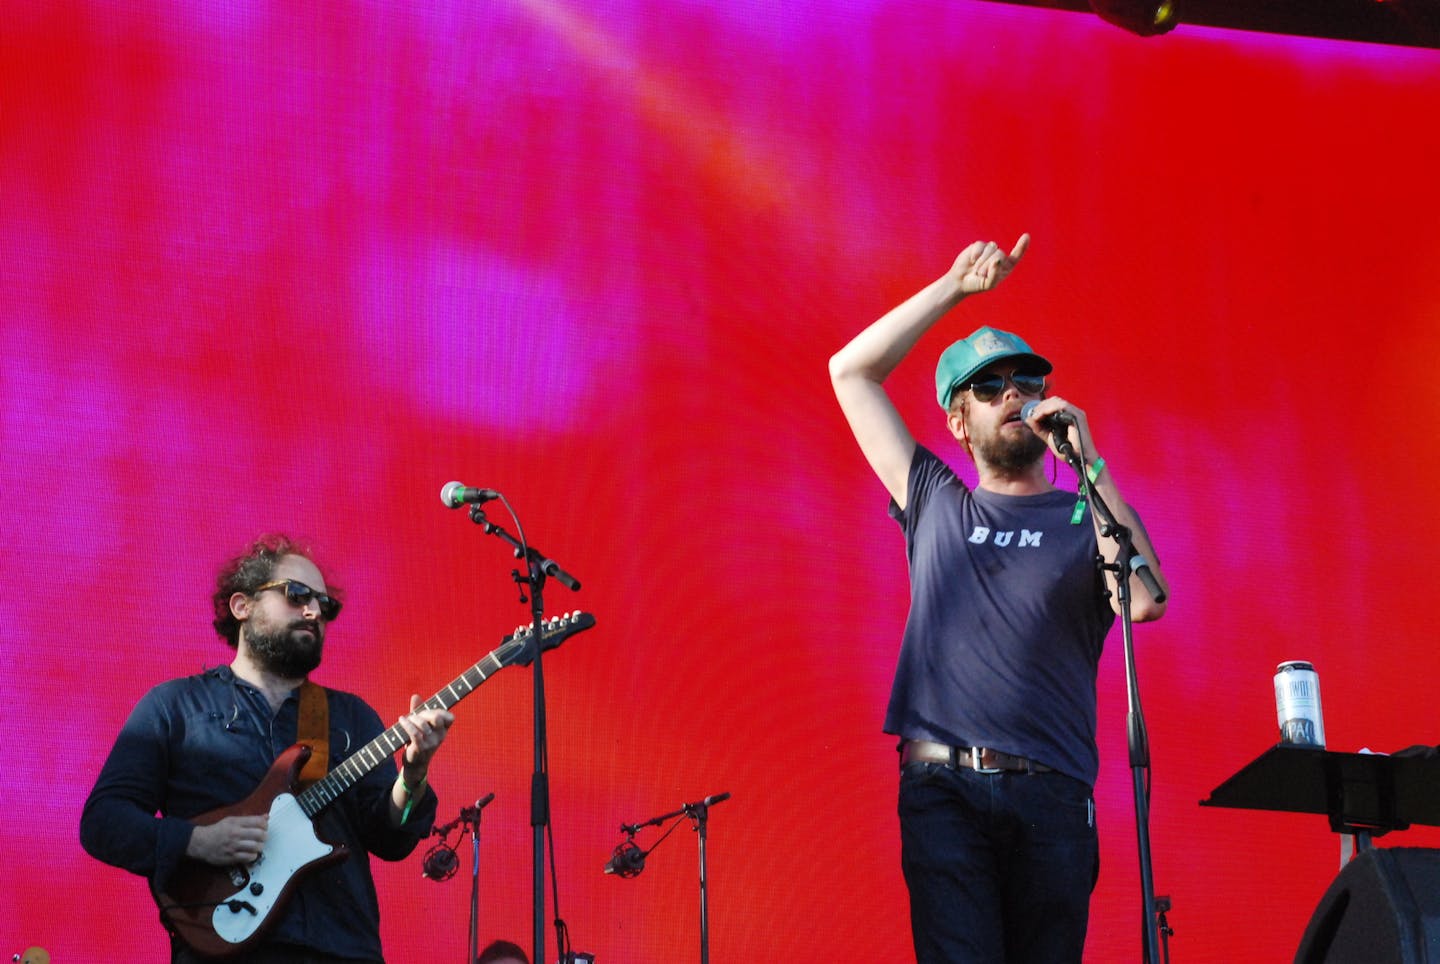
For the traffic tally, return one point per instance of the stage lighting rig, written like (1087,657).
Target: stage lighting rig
(1144,17)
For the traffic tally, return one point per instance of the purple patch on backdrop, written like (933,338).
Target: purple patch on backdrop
(467,334)
(217,18)
(61,423)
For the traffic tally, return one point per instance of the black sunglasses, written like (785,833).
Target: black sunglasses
(986,387)
(298,594)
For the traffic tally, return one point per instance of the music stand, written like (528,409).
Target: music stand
(1364,794)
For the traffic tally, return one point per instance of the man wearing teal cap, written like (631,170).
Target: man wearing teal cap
(993,700)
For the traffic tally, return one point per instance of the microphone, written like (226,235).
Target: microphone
(440,863)
(1049,421)
(456,494)
(627,861)
(709,801)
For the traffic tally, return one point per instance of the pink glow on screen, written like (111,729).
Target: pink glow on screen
(297,266)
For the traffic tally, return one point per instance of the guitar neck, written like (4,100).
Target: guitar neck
(516,648)
(324,791)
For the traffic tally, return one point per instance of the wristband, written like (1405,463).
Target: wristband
(1092,472)
(412,794)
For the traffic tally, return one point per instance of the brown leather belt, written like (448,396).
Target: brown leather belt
(978,758)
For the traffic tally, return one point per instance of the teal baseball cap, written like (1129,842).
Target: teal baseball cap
(986,345)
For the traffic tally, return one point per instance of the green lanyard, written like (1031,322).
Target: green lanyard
(1092,473)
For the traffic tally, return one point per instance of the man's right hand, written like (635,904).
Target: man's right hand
(232,840)
(982,265)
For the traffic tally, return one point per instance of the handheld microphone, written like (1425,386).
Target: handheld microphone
(627,861)
(456,494)
(1049,421)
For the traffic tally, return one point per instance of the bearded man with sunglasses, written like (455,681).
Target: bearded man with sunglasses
(993,699)
(200,743)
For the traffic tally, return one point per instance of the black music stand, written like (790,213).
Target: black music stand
(1364,794)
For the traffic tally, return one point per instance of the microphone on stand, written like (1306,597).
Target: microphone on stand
(627,860)
(456,494)
(1054,424)
(1048,423)
(440,862)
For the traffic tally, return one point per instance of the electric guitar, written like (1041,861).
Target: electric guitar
(221,911)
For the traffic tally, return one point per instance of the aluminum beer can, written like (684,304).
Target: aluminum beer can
(1297,704)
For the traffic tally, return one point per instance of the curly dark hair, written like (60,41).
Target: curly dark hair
(245,573)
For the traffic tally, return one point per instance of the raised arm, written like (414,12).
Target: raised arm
(858,371)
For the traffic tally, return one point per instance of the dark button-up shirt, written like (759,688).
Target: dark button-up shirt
(202,742)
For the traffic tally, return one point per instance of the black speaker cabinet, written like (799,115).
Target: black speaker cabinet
(1382,908)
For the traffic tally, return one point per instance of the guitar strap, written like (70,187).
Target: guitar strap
(314,730)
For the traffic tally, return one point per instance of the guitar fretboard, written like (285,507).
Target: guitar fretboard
(325,790)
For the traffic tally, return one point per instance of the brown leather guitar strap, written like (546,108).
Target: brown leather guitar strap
(314,730)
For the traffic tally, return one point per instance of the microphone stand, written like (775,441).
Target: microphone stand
(537,568)
(469,822)
(699,814)
(1127,560)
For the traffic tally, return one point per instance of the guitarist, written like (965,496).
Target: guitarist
(204,742)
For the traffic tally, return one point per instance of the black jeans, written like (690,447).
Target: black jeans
(1000,866)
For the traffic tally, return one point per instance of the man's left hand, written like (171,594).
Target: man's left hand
(426,729)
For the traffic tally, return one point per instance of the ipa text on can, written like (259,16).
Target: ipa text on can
(1297,704)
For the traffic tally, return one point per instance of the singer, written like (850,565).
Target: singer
(199,743)
(993,699)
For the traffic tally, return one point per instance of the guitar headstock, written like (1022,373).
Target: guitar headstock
(554,631)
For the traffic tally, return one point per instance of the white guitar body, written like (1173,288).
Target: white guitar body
(290,846)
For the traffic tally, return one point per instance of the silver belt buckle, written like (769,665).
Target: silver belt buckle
(976,753)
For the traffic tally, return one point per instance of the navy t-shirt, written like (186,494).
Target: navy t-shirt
(1007,620)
